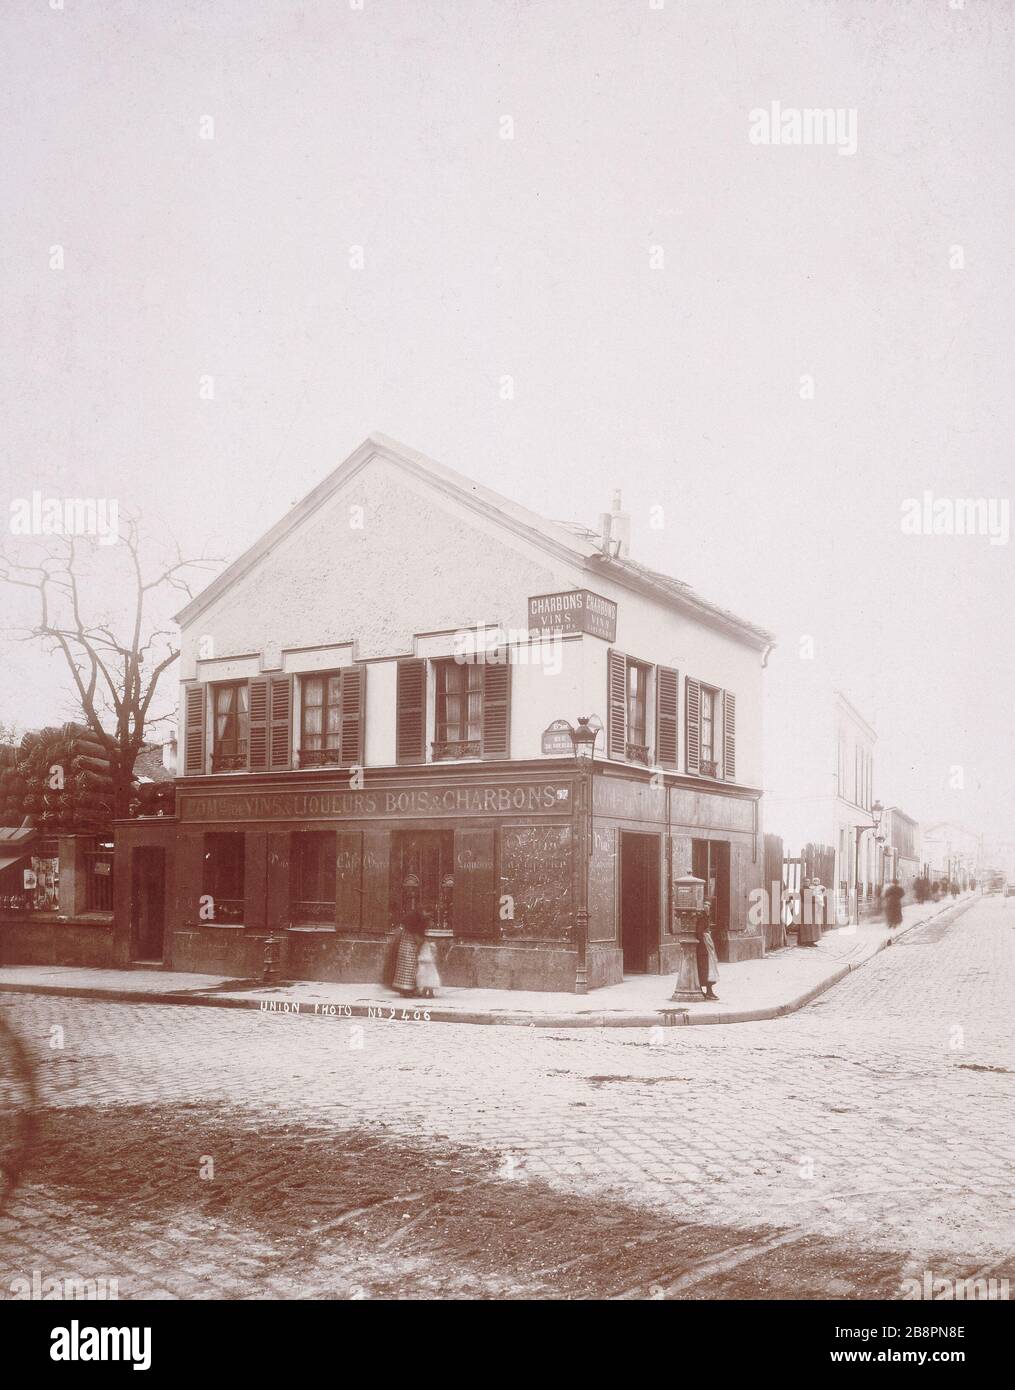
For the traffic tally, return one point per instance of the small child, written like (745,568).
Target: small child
(427,978)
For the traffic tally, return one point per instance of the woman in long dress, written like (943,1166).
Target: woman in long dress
(708,961)
(411,935)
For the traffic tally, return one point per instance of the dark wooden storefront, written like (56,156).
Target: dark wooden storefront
(489,855)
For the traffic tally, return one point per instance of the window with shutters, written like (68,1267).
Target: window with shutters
(314,877)
(321,720)
(637,711)
(331,718)
(223,881)
(627,708)
(709,756)
(459,724)
(232,726)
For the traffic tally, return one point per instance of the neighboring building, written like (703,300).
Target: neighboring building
(56,886)
(364,704)
(820,780)
(901,850)
(951,852)
(998,855)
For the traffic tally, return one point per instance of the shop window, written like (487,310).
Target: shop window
(224,876)
(232,726)
(44,878)
(459,727)
(314,882)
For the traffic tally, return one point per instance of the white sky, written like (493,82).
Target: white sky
(487,257)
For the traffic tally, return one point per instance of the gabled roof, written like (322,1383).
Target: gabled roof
(574,544)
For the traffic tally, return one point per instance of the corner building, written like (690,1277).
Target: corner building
(366,711)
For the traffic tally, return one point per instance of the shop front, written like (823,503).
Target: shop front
(491,856)
(488,857)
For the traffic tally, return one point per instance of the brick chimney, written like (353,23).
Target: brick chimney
(615,529)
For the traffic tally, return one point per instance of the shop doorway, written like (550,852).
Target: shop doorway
(148,904)
(639,899)
(710,860)
(423,863)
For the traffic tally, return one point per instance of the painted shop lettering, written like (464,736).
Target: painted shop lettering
(416,801)
(423,801)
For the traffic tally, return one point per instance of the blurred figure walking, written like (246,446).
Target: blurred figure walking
(893,903)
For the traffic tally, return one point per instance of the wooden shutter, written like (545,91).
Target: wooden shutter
(410,711)
(195,698)
(729,735)
(667,698)
(257,745)
(281,702)
(376,880)
(348,879)
(496,733)
(616,703)
(692,724)
(474,906)
(354,682)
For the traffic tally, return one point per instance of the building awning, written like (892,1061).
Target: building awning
(6,860)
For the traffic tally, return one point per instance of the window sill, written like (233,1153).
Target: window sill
(308,759)
(456,748)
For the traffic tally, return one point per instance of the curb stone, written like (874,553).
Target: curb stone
(675,1017)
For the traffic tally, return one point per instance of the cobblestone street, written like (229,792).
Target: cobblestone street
(205,1152)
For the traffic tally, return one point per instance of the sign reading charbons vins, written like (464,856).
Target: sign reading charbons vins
(520,797)
(578,610)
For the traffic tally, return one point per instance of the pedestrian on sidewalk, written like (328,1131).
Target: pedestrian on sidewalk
(809,927)
(708,961)
(411,934)
(427,978)
(893,903)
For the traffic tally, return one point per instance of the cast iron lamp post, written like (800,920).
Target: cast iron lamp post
(583,741)
(873,824)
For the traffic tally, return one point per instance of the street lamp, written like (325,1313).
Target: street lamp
(583,742)
(873,824)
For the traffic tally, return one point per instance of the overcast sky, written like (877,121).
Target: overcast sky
(532,258)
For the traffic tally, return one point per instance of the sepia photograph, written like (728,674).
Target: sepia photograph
(507,786)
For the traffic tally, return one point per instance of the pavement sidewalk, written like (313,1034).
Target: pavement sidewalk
(749,991)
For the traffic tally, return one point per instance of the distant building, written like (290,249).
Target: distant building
(997,855)
(951,852)
(820,783)
(900,853)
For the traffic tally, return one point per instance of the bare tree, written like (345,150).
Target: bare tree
(114,674)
